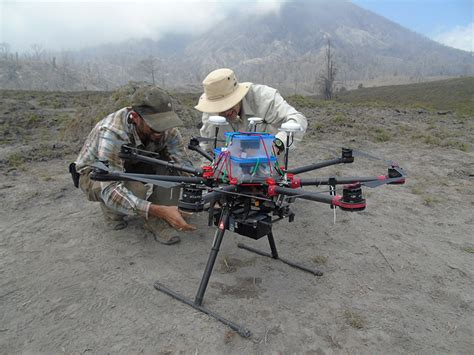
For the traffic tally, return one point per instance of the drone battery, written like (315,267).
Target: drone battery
(255,225)
(244,145)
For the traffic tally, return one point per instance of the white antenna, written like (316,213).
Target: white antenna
(253,122)
(218,121)
(291,127)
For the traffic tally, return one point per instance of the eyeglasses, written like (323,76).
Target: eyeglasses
(229,111)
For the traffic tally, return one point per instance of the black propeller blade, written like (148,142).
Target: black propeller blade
(103,173)
(360,153)
(376,183)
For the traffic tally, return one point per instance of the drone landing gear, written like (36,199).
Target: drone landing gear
(197,303)
(274,255)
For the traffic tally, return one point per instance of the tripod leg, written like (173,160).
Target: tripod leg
(212,257)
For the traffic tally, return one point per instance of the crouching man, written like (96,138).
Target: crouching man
(149,124)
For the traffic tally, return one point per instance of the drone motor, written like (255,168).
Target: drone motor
(394,172)
(191,199)
(352,198)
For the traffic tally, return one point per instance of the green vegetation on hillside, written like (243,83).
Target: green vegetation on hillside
(453,94)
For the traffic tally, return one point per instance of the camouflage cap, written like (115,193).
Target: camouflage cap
(154,105)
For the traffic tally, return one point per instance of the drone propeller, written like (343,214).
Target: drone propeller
(103,173)
(161,183)
(376,183)
(360,153)
(99,165)
(392,164)
(396,175)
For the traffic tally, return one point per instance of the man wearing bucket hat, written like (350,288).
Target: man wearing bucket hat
(149,124)
(237,102)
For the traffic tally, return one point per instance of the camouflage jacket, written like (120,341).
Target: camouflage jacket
(104,143)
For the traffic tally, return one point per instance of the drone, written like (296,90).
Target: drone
(246,188)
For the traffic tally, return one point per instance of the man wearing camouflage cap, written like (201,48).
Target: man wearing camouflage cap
(149,124)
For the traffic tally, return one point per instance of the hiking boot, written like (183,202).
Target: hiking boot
(117,225)
(161,231)
(113,220)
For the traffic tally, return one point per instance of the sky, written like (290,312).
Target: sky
(73,24)
(450,22)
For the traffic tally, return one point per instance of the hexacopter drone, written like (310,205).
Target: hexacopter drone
(245,190)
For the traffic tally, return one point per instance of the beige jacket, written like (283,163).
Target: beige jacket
(261,101)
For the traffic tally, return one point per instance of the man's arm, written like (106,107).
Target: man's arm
(278,111)
(208,131)
(175,148)
(114,194)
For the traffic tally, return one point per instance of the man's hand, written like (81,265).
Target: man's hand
(172,216)
(278,146)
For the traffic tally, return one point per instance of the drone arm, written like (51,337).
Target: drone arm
(147,178)
(216,193)
(194,145)
(394,176)
(303,194)
(153,161)
(339,181)
(316,166)
(355,201)
(346,158)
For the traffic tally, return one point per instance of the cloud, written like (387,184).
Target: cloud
(460,37)
(261,7)
(74,24)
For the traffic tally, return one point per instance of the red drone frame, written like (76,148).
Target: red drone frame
(250,200)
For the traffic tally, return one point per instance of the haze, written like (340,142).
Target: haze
(74,25)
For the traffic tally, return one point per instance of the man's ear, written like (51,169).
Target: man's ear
(132,117)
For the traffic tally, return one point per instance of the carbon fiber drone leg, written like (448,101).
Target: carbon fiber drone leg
(212,257)
(274,255)
(197,304)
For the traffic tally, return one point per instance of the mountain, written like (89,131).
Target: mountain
(290,46)
(285,49)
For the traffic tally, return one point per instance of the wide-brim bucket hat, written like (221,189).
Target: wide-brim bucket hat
(154,105)
(222,91)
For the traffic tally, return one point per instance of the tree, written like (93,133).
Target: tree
(329,77)
(296,75)
(4,50)
(38,51)
(149,66)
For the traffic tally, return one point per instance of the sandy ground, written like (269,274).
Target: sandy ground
(398,277)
